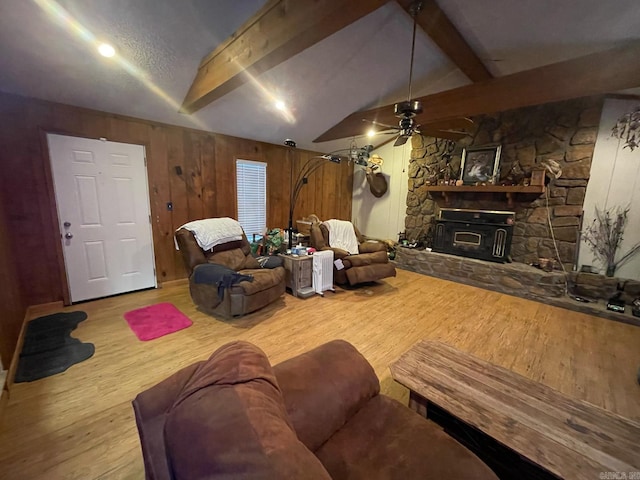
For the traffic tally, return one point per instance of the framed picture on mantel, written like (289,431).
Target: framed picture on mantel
(480,164)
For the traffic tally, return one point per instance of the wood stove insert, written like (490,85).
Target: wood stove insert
(483,234)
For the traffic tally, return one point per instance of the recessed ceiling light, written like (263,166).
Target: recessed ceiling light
(280,105)
(106,50)
(371,133)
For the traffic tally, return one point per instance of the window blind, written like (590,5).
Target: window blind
(251,179)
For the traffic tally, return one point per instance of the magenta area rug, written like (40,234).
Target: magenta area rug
(156,321)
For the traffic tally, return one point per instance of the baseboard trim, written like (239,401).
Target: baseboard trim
(173,283)
(4,399)
(44,309)
(11,372)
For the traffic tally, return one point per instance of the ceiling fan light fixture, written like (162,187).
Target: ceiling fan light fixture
(408,109)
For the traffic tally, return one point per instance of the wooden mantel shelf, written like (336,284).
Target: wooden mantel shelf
(509,190)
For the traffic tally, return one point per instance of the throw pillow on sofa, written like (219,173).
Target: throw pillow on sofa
(235,392)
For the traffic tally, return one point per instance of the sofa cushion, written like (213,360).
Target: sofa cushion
(234,259)
(230,421)
(341,381)
(385,439)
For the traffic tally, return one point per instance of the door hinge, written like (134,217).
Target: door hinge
(145,161)
(149,218)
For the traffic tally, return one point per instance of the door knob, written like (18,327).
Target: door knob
(68,235)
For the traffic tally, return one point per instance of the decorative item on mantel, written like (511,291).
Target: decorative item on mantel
(604,237)
(515,176)
(480,164)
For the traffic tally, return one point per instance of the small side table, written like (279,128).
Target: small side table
(299,272)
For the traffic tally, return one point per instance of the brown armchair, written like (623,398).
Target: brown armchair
(369,265)
(240,298)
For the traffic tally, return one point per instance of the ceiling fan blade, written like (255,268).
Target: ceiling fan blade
(617,69)
(387,132)
(447,134)
(460,123)
(401,140)
(381,124)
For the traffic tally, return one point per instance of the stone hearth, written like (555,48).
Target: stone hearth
(522,280)
(516,279)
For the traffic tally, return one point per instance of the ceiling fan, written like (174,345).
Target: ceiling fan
(406,111)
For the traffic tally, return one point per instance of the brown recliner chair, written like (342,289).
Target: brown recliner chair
(241,298)
(370,265)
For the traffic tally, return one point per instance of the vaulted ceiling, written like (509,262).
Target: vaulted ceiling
(47,50)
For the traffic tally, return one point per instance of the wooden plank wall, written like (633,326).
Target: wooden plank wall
(205,187)
(12,303)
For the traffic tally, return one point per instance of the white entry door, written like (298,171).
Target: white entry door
(103,207)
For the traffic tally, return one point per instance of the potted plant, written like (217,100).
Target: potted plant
(604,237)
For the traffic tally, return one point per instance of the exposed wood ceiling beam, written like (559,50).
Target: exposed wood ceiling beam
(280,30)
(602,72)
(445,35)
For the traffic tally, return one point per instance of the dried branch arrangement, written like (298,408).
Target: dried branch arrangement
(627,128)
(604,237)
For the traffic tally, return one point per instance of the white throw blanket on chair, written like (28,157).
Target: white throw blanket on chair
(342,235)
(213,231)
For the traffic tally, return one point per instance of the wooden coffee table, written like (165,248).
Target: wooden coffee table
(568,437)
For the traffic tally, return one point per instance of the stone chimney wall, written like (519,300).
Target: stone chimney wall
(564,132)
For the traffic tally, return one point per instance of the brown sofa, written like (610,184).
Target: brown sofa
(244,297)
(316,416)
(370,265)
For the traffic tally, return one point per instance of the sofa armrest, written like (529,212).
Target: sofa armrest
(364,259)
(337,252)
(370,247)
(150,408)
(191,252)
(325,387)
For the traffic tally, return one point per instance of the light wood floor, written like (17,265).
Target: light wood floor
(80,424)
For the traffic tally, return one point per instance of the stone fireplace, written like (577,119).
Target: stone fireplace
(564,132)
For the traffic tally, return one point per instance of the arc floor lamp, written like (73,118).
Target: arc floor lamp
(302,179)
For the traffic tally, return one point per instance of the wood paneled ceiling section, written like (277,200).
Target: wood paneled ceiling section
(277,32)
(361,66)
(283,28)
(608,71)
